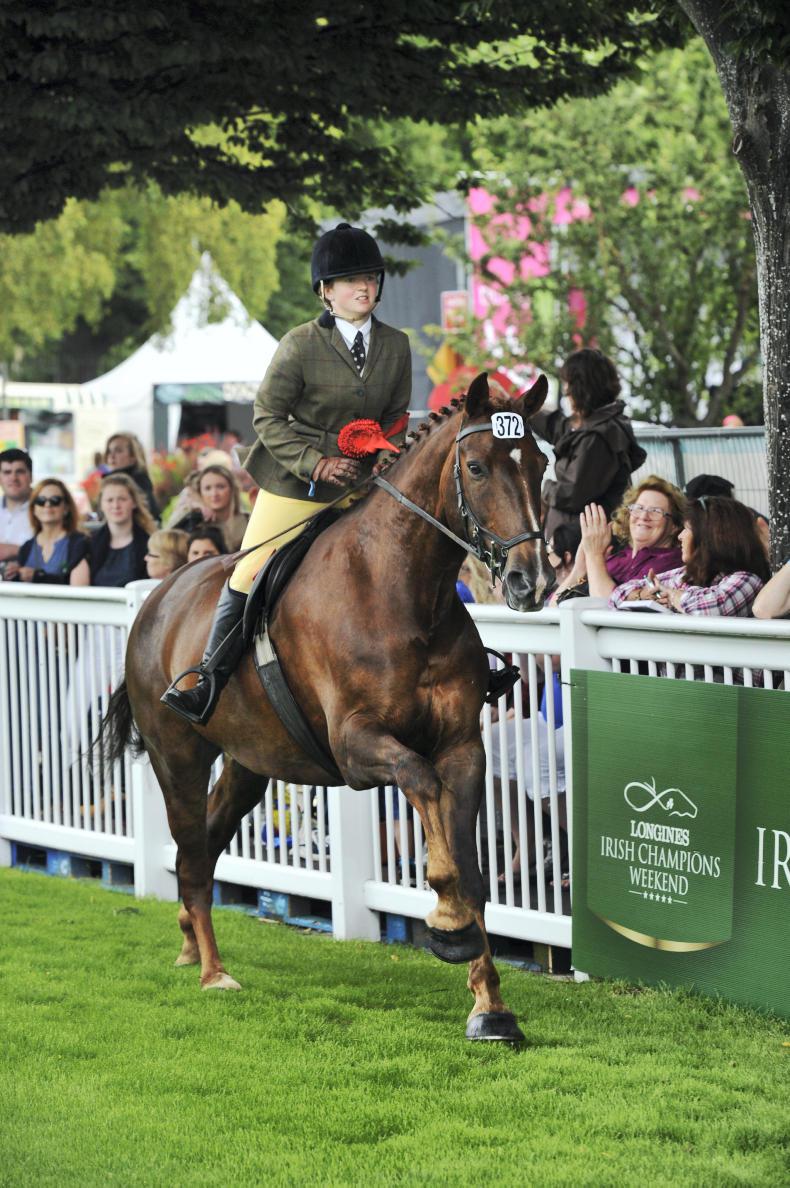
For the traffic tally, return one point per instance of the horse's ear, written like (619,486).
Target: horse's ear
(477,398)
(532,400)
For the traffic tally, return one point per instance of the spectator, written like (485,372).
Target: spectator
(117,550)
(563,548)
(647,525)
(124,454)
(724,564)
(167,552)
(205,542)
(773,601)
(219,505)
(57,553)
(595,448)
(709,484)
(714,484)
(188,500)
(16,478)
(462,587)
(229,440)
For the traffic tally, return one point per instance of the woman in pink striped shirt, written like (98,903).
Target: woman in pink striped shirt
(724,564)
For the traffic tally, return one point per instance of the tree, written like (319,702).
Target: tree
(749,42)
(253,100)
(83,290)
(647,236)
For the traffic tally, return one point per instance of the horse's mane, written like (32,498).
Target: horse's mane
(433,419)
(498,400)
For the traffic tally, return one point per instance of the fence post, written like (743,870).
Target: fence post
(579,649)
(350,830)
(151,835)
(151,830)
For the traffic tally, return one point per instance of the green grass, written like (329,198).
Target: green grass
(346,1063)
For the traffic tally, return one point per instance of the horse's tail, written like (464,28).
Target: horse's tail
(117,731)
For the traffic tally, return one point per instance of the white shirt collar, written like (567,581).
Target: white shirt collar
(349,331)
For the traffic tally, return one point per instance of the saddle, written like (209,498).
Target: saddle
(263,597)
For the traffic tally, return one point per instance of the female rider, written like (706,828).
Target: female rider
(342,366)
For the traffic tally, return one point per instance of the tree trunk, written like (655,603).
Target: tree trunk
(758,97)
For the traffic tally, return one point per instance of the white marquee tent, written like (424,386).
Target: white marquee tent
(230,355)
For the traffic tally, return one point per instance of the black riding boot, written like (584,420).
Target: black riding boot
(223,652)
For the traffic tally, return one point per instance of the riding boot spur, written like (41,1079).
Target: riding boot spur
(223,652)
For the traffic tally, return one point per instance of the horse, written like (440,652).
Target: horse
(383,660)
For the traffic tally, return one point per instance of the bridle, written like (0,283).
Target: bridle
(485,544)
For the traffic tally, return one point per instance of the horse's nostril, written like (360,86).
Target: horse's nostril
(518,583)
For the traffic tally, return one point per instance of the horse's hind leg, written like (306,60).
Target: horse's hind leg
(183,774)
(235,793)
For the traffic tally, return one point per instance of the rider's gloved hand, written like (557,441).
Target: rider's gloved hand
(339,471)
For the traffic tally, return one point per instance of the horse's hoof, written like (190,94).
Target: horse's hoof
(499,1026)
(457,945)
(187,959)
(221,981)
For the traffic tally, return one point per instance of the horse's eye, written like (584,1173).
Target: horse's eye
(476,470)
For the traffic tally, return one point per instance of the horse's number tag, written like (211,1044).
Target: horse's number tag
(507,424)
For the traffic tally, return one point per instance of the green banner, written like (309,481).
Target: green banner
(682,835)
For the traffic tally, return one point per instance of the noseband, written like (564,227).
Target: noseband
(489,548)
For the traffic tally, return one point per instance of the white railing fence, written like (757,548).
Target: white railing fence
(363,852)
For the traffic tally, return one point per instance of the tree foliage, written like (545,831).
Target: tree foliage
(83,290)
(663,263)
(255,100)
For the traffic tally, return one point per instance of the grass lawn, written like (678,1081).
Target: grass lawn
(346,1063)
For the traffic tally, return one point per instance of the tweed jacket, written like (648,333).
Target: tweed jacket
(311,390)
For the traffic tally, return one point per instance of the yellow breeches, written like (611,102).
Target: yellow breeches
(271,514)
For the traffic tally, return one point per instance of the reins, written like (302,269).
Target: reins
(234,558)
(494,557)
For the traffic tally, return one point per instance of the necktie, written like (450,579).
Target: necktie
(358,352)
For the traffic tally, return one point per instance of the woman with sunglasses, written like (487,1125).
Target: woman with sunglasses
(58,550)
(724,564)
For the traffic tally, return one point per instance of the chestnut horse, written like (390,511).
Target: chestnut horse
(384,661)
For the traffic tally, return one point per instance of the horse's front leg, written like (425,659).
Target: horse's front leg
(370,756)
(462,772)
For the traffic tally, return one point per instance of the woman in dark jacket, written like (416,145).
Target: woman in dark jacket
(118,548)
(124,454)
(595,448)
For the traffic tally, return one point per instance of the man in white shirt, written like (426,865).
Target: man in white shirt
(16,479)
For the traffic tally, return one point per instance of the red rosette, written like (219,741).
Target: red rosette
(359,438)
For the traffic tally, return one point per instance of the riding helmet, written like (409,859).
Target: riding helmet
(345,251)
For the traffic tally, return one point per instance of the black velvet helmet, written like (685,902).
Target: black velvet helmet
(345,251)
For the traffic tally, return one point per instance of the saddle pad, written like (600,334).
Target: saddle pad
(287,709)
